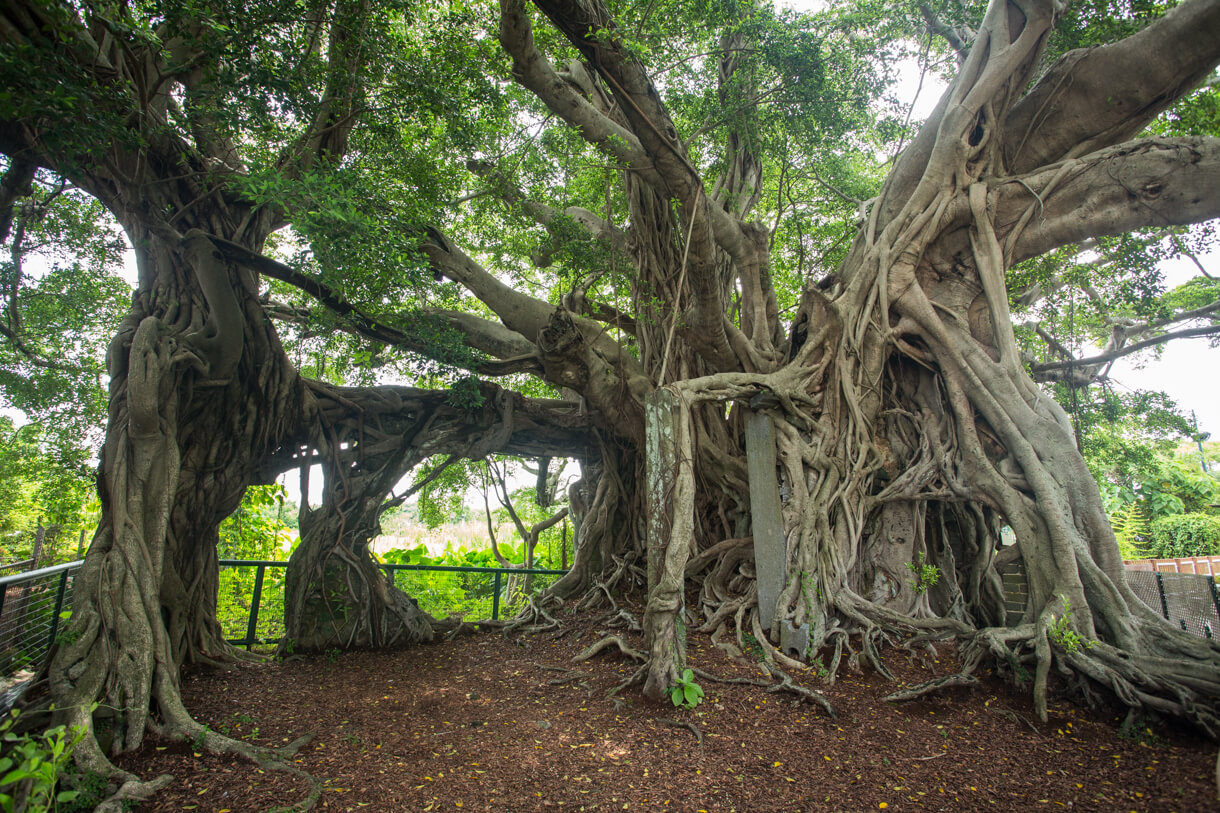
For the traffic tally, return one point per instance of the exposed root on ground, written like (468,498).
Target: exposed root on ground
(931,687)
(534,617)
(132,791)
(565,675)
(691,727)
(607,642)
(785,684)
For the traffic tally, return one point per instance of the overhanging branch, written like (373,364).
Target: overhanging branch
(1092,98)
(1145,183)
(1103,358)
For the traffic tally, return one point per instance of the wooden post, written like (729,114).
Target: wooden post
(770,552)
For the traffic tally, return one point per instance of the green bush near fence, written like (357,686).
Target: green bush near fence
(236,596)
(439,593)
(1181,535)
(469,594)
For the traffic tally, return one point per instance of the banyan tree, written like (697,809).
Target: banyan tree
(770,318)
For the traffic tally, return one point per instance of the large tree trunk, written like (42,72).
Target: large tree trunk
(200,391)
(367,440)
(905,425)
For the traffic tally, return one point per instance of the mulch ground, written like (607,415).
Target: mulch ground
(490,723)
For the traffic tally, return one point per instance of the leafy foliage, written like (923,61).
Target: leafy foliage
(1183,535)
(445,593)
(924,574)
(1131,529)
(258,530)
(37,487)
(686,693)
(30,766)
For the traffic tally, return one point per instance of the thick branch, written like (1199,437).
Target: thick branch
(545,215)
(1151,182)
(588,26)
(1094,98)
(326,138)
(17,183)
(535,73)
(519,312)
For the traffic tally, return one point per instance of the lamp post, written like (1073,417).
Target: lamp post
(1198,437)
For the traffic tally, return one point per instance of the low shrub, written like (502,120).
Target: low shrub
(1180,535)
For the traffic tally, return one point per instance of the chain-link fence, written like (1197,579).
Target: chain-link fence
(1188,600)
(33,607)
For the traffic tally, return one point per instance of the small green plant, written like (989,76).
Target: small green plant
(91,790)
(1060,632)
(1138,729)
(333,654)
(819,668)
(753,648)
(31,764)
(201,739)
(686,693)
(66,636)
(924,575)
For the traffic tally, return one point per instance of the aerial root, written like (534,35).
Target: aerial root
(785,684)
(636,678)
(691,727)
(456,625)
(132,792)
(532,619)
(607,642)
(290,750)
(931,687)
(265,758)
(1015,717)
(566,675)
(772,654)
(624,619)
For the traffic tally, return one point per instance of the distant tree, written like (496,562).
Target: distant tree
(37,489)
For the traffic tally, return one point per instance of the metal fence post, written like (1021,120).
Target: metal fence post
(59,606)
(495,597)
(1211,583)
(1160,587)
(252,627)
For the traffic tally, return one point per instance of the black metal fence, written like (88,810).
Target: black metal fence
(1191,601)
(251,597)
(33,606)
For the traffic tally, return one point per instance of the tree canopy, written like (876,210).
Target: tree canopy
(791,334)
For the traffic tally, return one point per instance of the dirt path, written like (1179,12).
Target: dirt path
(488,723)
